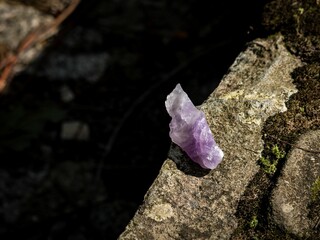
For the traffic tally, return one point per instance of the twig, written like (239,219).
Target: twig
(35,36)
(294,145)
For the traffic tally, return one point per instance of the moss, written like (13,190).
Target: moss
(279,154)
(269,163)
(314,206)
(315,189)
(254,222)
(268,166)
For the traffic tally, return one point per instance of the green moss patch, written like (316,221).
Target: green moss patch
(315,189)
(269,164)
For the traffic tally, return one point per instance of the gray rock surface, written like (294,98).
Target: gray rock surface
(16,22)
(186,202)
(293,194)
(63,64)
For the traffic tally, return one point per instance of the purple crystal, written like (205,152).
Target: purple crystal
(189,130)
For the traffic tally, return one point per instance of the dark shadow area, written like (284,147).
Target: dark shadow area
(184,163)
(131,55)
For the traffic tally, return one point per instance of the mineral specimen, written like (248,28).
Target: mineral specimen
(189,130)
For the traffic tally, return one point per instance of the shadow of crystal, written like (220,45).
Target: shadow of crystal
(184,163)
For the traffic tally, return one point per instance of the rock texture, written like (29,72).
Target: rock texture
(187,202)
(293,195)
(24,27)
(16,22)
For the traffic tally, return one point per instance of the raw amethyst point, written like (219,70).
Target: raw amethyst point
(190,130)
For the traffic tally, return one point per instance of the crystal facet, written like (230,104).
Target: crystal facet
(190,130)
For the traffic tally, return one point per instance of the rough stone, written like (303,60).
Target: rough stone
(21,18)
(76,66)
(16,22)
(202,204)
(89,64)
(66,94)
(75,130)
(292,196)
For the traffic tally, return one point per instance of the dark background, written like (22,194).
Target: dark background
(52,188)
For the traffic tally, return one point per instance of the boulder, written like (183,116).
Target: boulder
(293,195)
(187,202)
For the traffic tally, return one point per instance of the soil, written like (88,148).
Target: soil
(54,188)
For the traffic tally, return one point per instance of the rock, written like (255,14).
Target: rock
(201,204)
(16,21)
(23,31)
(48,6)
(79,61)
(293,195)
(75,131)
(61,66)
(66,94)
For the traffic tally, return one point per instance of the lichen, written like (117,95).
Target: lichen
(160,212)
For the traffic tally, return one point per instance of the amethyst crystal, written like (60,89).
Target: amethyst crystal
(189,130)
